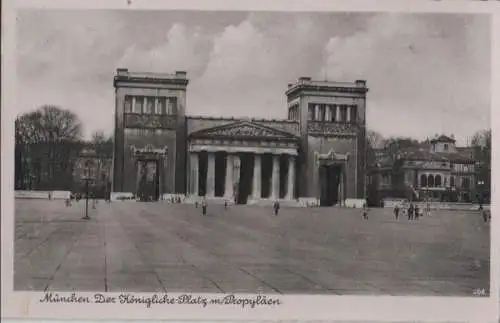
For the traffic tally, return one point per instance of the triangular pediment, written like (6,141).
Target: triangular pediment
(244,130)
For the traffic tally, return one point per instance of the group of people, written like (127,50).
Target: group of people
(412,211)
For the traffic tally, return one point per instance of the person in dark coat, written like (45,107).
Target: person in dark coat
(365,211)
(276,207)
(396,211)
(485,215)
(410,211)
(417,212)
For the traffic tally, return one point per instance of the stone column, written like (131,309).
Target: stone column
(327,113)
(228,185)
(256,186)
(337,113)
(133,105)
(291,178)
(348,109)
(210,175)
(236,173)
(156,107)
(316,112)
(194,173)
(275,181)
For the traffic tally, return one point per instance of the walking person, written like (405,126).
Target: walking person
(428,208)
(485,215)
(365,211)
(276,207)
(410,211)
(396,211)
(417,212)
(204,206)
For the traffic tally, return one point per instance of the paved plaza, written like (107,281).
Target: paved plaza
(147,247)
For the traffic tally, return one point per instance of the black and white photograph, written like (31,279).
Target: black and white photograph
(251,152)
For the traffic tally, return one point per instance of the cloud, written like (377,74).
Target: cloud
(421,69)
(422,73)
(184,49)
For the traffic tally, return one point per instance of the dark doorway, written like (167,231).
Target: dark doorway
(329,179)
(148,183)
(266,175)
(220,173)
(283,182)
(246,176)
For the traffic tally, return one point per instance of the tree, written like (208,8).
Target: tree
(394,145)
(481,142)
(47,141)
(48,124)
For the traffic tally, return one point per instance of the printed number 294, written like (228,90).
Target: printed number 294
(479,292)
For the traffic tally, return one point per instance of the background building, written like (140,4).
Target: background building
(436,169)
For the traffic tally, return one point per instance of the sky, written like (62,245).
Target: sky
(426,73)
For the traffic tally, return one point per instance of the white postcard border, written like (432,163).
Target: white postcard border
(366,308)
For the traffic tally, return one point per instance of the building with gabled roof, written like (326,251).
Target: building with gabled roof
(436,170)
(316,155)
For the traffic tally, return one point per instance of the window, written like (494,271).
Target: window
(445,147)
(172,106)
(423,180)
(322,112)
(162,105)
(139,103)
(430,181)
(354,113)
(128,104)
(332,112)
(438,180)
(452,181)
(343,113)
(310,112)
(150,105)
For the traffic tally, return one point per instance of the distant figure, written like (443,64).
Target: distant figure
(417,212)
(365,211)
(196,204)
(396,211)
(485,215)
(204,206)
(68,202)
(225,204)
(428,209)
(411,209)
(276,207)
(50,195)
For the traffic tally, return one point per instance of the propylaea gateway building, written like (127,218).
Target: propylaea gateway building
(316,155)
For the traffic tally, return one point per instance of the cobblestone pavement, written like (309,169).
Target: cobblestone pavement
(147,247)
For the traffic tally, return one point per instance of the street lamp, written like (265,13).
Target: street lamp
(87,155)
(86,178)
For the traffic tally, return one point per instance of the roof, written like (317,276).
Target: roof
(423,154)
(443,138)
(244,130)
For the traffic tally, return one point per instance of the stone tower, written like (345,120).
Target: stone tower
(150,133)
(332,121)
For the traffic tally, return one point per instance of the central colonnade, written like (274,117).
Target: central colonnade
(242,174)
